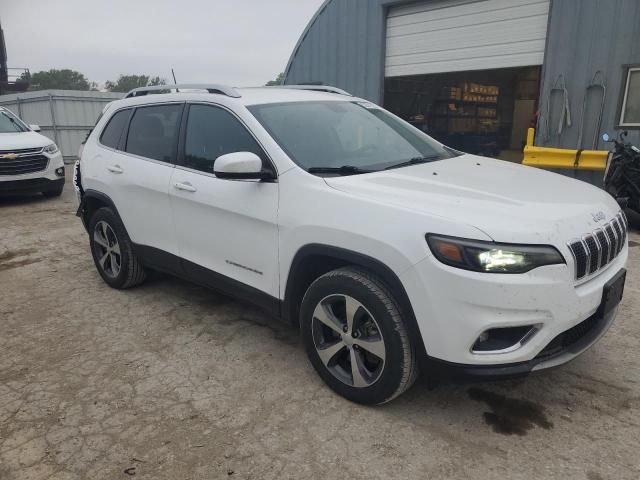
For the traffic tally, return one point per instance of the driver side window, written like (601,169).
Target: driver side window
(212,132)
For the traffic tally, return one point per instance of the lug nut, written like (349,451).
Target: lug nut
(345,329)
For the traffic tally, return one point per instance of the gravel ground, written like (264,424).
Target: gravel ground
(170,381)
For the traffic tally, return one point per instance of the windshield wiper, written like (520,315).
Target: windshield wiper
(343,170)
(414,161)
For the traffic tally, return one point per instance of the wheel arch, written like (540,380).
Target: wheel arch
(91,201)
(314,260)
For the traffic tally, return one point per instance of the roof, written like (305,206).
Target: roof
(248,96)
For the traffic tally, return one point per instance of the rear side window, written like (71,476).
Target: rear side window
(212,132)
(113,131)
(153,132)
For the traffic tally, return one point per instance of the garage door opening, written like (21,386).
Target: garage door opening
(485,112)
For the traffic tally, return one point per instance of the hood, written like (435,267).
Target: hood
(507,201)
(19,140)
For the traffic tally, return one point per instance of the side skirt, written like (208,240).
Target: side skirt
(165,262)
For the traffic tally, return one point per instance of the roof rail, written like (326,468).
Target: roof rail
(317,88)
(213,88)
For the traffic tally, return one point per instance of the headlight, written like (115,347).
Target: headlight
(51,149)
(491,257)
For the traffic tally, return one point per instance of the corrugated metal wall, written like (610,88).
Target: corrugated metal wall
(586,36)
(65,116)
(343,45)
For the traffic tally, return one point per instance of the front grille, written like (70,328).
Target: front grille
(21,151)
(23,164)
(599,248)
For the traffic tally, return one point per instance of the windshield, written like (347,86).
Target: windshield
(336,134)
(9,123)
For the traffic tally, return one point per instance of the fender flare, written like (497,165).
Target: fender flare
(100,197)
(347,257)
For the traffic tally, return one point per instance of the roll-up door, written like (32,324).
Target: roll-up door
(455,35)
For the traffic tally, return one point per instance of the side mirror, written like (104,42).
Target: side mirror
(606,137)
(35,128)
(241,166)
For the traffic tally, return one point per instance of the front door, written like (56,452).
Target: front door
(226,229)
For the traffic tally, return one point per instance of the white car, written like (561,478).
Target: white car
(29,162)
(389,250)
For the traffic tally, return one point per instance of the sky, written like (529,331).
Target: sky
(240,43)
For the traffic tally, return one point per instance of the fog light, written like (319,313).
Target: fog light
(503,340)
(60,171)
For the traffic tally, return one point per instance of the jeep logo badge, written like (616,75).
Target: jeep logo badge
(598,216)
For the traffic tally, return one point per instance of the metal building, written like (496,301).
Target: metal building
(65,116)
(478,73)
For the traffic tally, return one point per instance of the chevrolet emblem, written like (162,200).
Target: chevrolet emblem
(9,156)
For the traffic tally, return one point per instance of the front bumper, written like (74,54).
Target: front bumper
(42,181)
(31,185)
(564,348)
(453,307)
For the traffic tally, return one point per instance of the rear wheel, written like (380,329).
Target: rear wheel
(112,251)
(355,337)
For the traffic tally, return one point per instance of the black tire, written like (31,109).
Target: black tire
(131,272)
(56,192)
(400,367)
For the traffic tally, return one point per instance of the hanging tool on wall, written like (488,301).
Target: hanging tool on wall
(597,83)
(565,114)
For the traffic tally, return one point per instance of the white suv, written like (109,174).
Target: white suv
(384,246)
(29,162)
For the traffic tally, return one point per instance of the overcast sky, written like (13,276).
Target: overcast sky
(241,42)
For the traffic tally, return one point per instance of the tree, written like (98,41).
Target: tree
(278,81)
(126,83)
(59,79)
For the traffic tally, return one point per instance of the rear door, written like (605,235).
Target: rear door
(226,229)
(139,172)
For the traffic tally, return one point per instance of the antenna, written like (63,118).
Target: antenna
(174,79)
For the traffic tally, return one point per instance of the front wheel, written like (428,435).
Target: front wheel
(356,338)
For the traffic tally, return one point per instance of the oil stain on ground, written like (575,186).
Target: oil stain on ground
(511,416)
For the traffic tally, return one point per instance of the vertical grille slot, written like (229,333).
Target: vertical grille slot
(620,233)
(580,255)
(594,253)
(613,241)
(604,246)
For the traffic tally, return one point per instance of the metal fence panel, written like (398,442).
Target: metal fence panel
(65,116)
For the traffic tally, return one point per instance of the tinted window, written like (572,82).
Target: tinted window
(153,132)
(337,133)
(212,132)
(111,134)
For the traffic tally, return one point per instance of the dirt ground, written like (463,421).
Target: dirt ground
(170,381)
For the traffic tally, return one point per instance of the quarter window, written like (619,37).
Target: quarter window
(113,131)
(631,103)
(153,132)
(212,132)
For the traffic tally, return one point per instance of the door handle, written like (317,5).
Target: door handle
(185,187)
(115,169)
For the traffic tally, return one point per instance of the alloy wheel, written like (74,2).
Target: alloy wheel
(348,340)
(107,249)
